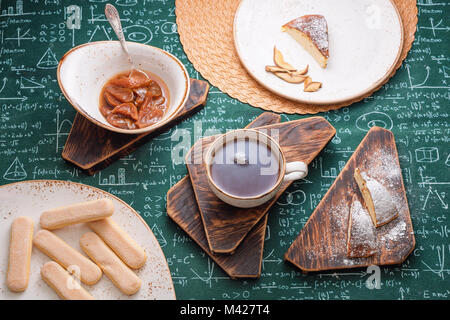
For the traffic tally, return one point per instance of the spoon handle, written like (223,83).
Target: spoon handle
(114,20)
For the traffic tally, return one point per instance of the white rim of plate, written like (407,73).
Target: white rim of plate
(361,94)
(77,184)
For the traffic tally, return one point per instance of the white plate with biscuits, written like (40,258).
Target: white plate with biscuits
(365,40)
(152,280)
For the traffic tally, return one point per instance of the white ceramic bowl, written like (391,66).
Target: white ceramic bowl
(84,70)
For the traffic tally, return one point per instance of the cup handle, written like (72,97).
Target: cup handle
(295,170)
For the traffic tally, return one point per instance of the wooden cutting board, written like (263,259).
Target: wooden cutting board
(226,226)
(183,210)
(322,243)
(92,148)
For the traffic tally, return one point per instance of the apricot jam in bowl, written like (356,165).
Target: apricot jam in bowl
(98,81)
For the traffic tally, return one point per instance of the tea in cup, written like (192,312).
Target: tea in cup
(245,168)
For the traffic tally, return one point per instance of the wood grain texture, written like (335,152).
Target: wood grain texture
(245,262)
(321,244)
(93,148)
(183,210)
(226,226)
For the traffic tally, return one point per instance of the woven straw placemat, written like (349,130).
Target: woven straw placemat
(206,33)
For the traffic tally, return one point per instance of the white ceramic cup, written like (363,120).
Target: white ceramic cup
(287,171)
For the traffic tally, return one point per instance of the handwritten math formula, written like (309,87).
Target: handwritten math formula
(35,120)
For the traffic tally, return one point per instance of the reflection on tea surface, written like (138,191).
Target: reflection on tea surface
(245,168)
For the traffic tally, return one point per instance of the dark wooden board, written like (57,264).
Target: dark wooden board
(321,244)
(245,262)
(226,226)
(183,210)
(93,148)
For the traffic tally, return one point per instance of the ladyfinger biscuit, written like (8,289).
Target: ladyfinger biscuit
(20,247)
(77,213)
(117,271)
(54,247)
(120,242)
(62,282)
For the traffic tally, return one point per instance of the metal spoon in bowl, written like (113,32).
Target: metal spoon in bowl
(113,17)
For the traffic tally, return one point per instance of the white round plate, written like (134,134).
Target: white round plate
(365,42)
(31,198)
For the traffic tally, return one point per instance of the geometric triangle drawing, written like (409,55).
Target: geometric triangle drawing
(159,236)
(100,35)
(15,172)
(48,60)
(30,84)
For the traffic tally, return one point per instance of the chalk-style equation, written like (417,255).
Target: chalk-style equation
(35,120)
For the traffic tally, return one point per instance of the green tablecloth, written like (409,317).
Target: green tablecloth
(35,120)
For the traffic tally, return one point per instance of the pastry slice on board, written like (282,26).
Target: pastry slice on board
(322,243)
(377,199)
(361,233)
(183,210)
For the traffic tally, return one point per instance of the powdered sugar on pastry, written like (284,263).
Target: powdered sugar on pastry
(383,167)
(377,199)
(385,208)
(333,245)
(315,26)
(311,31)
(361,237)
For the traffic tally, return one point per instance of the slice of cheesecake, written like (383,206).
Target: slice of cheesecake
(311,31)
